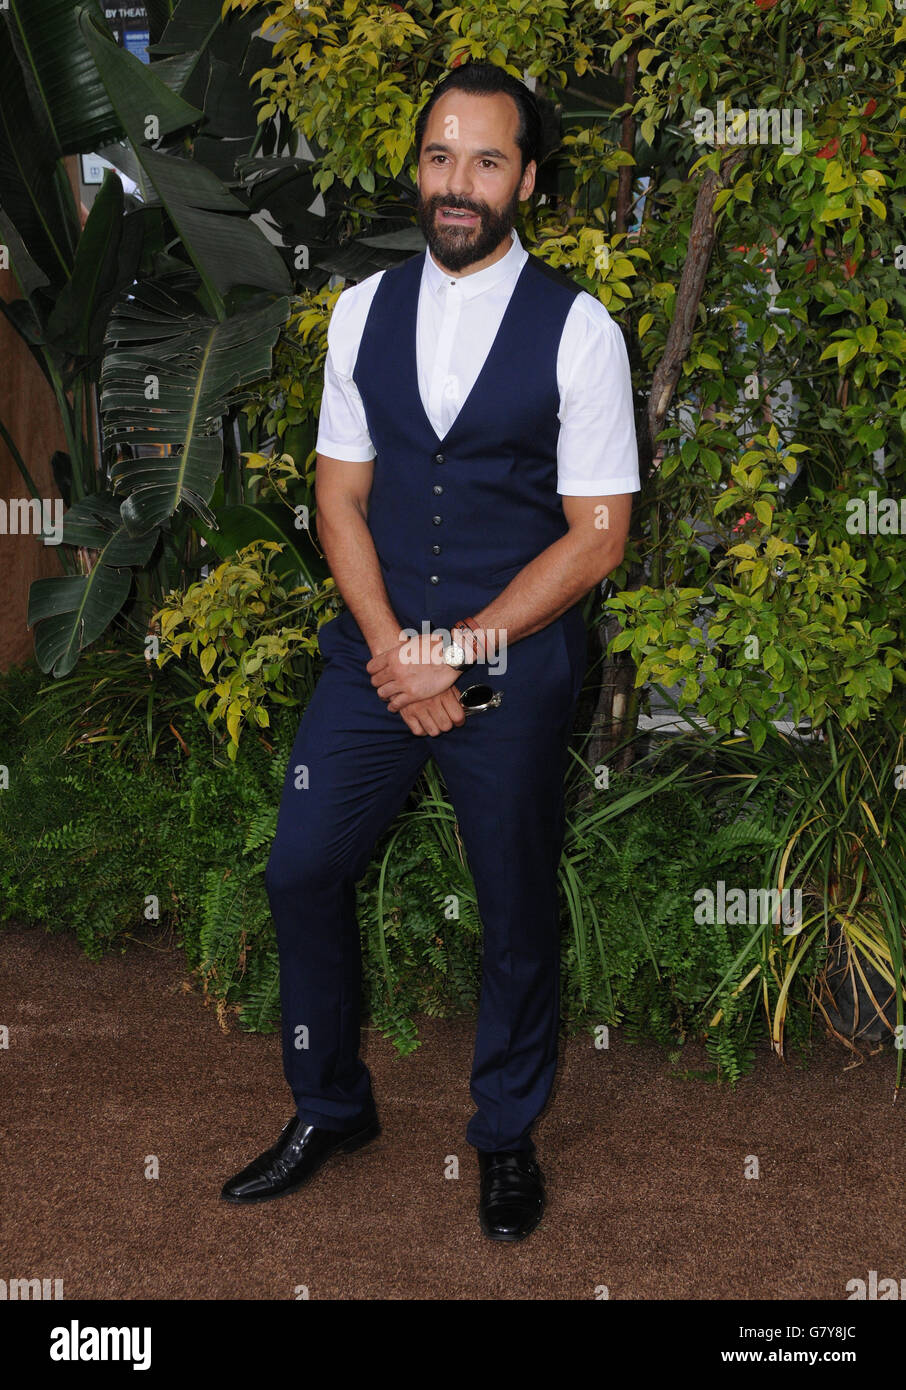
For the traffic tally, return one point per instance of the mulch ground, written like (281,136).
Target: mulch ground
(112,1065)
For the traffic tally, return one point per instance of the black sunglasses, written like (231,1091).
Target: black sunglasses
(479,697)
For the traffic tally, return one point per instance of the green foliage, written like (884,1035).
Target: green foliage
(169,301)
(602,265)
(236,622)
(352,77)
(768,442)
(790,615)
(119,698)
(87,837)
(838,838)
(795,366)
(636,954)
(80,850)
(288,403)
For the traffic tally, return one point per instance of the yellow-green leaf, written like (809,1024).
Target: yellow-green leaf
(234,715)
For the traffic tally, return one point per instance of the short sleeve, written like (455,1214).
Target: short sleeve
(342,427)
(597,451)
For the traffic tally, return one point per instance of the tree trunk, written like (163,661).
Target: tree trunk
(688,296)
(616,710)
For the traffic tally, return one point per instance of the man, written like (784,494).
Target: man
(476,460)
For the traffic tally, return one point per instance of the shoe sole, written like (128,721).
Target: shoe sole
(348,1146)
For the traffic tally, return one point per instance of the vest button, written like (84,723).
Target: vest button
(435,579)
(438,458)
(435,549)
(437,520)
(437,489)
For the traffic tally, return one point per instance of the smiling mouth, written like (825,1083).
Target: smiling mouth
(458,215)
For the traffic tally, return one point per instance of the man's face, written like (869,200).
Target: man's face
(470,182)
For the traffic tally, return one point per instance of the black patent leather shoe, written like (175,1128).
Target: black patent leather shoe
(512,1194)
(297,1155)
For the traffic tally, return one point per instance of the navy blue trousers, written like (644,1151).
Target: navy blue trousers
(352,765)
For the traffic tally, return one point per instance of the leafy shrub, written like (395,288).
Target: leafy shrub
(86,837)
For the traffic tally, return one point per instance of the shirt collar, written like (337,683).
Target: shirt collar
(480,280)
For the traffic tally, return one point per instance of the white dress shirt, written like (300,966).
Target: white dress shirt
(458,319)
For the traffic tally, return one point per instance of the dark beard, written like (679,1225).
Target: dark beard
(457,248)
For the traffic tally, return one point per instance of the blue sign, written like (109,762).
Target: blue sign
(136,41)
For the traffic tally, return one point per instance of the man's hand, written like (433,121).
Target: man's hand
(434,716)
(413,671)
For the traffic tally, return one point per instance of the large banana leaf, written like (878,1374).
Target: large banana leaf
(66,96)
(105,265)
(210,61)
(226,248)
(135,91)
(165,383)
(283,187)
(27,271)
(408,241)
(199,39)
(356,260)
(71,612)
(34,202)
(191,29)
(159,13)
(241,524)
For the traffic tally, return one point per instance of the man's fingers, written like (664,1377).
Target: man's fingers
(443,713)
(427,722)
(434,716)
(453,707)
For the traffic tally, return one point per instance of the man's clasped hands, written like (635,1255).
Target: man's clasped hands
(413,679)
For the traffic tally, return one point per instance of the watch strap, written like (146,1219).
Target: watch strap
(470,625)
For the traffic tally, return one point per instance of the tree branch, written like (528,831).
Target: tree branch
(689,293)
(627,140)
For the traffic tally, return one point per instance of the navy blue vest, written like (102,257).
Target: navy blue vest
(454,519)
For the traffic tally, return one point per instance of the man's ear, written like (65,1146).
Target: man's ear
(527,182)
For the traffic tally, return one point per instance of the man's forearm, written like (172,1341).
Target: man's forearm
(349,548)
(550,584)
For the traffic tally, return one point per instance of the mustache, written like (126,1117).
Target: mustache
(457,204)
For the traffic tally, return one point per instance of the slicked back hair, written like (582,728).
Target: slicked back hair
(485,79)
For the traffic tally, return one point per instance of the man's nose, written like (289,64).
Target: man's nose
(459,180)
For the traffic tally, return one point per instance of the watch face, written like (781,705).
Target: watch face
(454,655)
